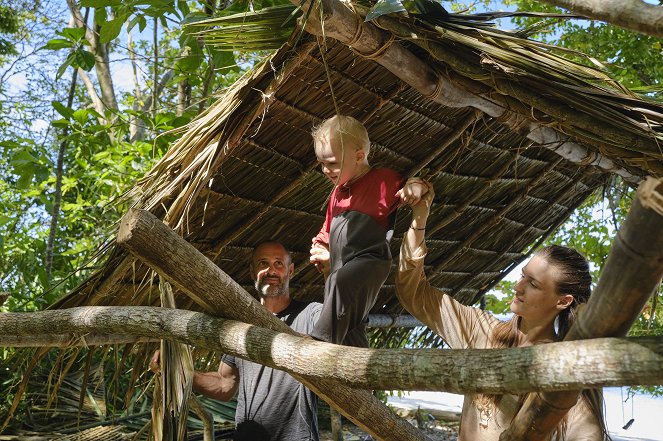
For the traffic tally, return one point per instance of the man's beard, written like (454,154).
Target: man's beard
(265,290)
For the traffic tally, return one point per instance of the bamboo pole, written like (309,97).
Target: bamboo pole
(594,362)
(145,236)
(631,274)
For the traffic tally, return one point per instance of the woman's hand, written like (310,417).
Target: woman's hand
(421,208)
(413,190)
(419,202)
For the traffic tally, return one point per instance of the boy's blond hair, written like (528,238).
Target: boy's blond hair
(350,131)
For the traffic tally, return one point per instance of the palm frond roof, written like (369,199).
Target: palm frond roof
(537,135)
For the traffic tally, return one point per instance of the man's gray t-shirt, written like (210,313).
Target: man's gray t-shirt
(281,404)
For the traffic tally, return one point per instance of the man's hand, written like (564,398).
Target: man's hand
(320,258)
(155,362)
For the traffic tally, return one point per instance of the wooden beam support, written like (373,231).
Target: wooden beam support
(51,340)
(595,362)
(392,321)
(631,274)
(145,236)
(347,26)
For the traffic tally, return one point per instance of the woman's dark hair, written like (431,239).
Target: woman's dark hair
(574,279)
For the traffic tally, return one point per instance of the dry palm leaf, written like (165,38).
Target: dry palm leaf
(170,407)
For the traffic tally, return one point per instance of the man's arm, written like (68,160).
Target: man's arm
(220,385)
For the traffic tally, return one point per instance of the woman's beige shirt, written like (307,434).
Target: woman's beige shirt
(465,327)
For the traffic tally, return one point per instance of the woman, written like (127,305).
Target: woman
(554,282)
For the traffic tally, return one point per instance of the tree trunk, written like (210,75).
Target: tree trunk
(595,362)
(631,274)
(102,61)
(173,258)
(57,193)
(635,15)
(183,96)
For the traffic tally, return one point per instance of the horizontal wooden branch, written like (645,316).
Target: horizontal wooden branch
(67,340)
(176,260)
(635,15)
(343,24)
(586,363)
(392,321)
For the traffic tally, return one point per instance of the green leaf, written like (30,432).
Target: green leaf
(184,7)
(383,7)
(134,21)
(142,23)
(60,123)
(193,58)
(83,59)
(22,158)
(100,16)
(41,274)
(62,109)
(223,58)
(81,116)
(73,34)
(65,65)
(25,180)
(194,17)
(57,44)
(111,29)
(99,3)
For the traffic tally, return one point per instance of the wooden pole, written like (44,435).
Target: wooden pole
(336,425)
(596,362)
(631,274)
(10,340)
(392,321)
(146,237)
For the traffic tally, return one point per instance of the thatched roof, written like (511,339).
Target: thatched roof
(245,170)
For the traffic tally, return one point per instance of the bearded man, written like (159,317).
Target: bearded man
(271,405)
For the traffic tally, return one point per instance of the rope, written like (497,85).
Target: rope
(358,32)
(380,51)
(436,91)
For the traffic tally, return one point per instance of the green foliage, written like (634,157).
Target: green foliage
(632,58)
(9,24)
(499,298)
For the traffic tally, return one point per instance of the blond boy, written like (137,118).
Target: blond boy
(352,247)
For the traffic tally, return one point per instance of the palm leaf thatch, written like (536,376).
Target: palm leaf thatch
(170,407)
(513,134)
(244,170)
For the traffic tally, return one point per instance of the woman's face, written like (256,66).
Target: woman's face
(536,299)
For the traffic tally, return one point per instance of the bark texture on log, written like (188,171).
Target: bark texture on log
(631,274)
(635,15)
(54,340)
(555,366)
(347,26)
(145,236)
